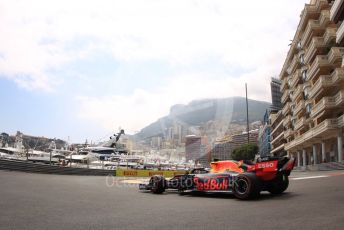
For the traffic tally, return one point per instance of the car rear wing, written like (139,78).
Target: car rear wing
(269,168)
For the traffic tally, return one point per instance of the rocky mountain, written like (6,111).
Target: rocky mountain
(200,112)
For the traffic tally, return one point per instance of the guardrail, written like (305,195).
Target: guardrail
(24,166)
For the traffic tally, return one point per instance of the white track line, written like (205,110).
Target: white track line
(134,181)
(308,177)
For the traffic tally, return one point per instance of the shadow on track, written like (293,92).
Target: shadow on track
(263,196)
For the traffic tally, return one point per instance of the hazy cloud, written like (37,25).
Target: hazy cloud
(249,40)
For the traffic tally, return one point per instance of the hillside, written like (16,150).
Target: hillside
(200,112)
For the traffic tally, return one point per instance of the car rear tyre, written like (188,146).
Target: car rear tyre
(246,186)
(158,184)
(279,184)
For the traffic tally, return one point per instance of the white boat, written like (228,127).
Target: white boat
(78,157)
(5,155)
(41,156)
(109,151)
(11,150)
(11,153)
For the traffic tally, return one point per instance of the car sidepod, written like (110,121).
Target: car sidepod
(213,182)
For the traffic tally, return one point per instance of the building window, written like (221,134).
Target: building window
(299,45)
(306,93)
(291,93)
(302,59)
(292,109)
(309,108)
(304,75)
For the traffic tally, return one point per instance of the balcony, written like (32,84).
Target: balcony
(309,12)
(295,78)
(339,98)
(323,82)
(299,107)
(328,103)
(284,85)
(306,85)
(330,35)
(326,81)
(313,25)
(337,75)
(316,27)
(309,102)
(277,138)
(298,92)
(336,12)
(325,128)
(319,62)
(320,106)
(335,55)
(286,109)
(285,96)
(294,63)
(293,144)
(340,121)
(300,123)
(324,19)
(287,120)
(313,48)
(275,149)
(340,34)
(288,133)
(277,128)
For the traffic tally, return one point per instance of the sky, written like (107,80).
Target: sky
(82,69)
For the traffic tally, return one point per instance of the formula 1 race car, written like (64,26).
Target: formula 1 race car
(243,179)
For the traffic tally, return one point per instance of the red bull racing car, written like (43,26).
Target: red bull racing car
(244,180)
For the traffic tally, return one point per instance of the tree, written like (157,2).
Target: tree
(245,152)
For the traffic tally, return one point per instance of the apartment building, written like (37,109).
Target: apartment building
(192,147)
(276,94)
(222,149)
(337,16)
(265,132)
(241,139)
(277,134)
(313,87)
(264,136)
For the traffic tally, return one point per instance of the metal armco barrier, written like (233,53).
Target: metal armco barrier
(24,166)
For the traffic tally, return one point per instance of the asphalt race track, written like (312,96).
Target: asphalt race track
(38,201)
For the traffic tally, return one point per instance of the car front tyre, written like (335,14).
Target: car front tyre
(158,184)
